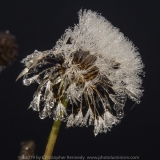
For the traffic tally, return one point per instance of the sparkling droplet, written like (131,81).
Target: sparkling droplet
(31,105)
(45,73)
(95,132)
(41,88)
(38,80)
(42,98)
(138,102)
(34,107)
(120,113)
(51,105)
(40,64)
(26,82)
(42,115)
(115,107)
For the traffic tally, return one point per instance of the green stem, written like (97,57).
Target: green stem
(52,137)
(52,140)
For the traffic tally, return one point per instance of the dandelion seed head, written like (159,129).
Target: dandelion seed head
(96,70)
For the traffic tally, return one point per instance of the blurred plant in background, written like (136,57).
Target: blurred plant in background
(8,49)
(27,150)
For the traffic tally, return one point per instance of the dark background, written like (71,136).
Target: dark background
(38,25)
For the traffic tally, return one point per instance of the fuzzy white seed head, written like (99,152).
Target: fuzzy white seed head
(93,67)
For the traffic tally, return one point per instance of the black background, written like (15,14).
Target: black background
(38,25)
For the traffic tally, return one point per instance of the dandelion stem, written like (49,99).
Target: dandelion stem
(52,140)
(52,137)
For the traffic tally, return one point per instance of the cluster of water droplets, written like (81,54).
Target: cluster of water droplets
(104,123)
(80,120)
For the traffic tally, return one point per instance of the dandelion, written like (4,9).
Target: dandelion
(95,70)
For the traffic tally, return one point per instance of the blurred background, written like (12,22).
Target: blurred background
(37,25)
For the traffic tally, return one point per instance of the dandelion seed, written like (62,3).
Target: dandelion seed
(95,66)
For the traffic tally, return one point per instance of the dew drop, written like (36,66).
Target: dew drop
(42,98)
(138,102)
(115,107)
(42,115)
(120,113)
(41,89)
(40,64)
(35,107)
(51,105)
(26,82)
(45,73)
(95,133)
(31,105)
(38,80)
